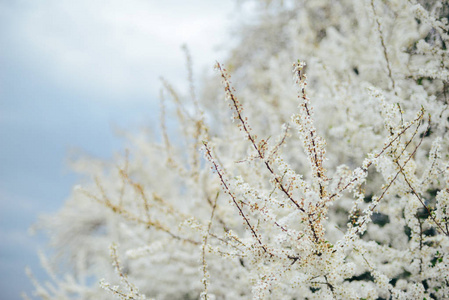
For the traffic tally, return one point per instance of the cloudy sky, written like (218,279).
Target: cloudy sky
(70,73)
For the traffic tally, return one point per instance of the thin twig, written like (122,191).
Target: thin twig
(228,190)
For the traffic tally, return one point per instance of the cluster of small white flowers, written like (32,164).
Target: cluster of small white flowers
(434,165)
(313,144)
(289,175)
(390,112)
(145,250)
(424,15)
(115,291)
(442,206)
(433,73)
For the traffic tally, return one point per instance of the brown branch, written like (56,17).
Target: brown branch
(401,169)
(385,52)
(365,169)
(203,246)
(317,159)
(244,125)
(118,209)
(220,220)
(228,190)
(411,186)
(446,232)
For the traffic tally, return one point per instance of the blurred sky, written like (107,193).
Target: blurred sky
(71,72)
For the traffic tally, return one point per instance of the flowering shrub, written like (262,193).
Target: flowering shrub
(335,188)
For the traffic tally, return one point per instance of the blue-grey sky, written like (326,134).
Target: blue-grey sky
(71,72)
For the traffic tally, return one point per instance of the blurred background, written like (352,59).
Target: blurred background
(71,74)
